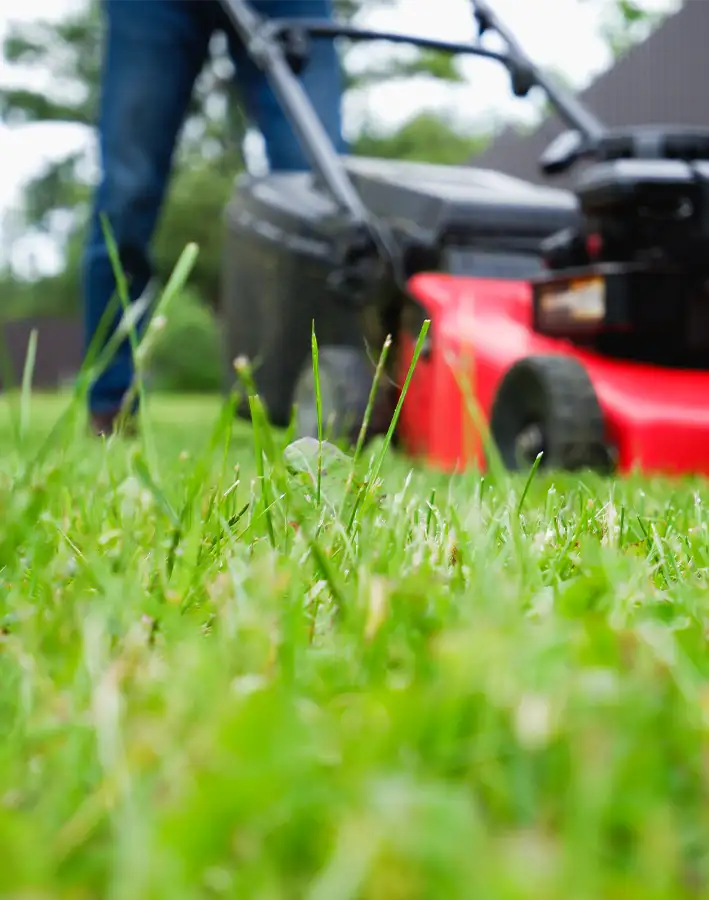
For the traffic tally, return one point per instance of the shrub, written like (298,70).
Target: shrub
(187,357)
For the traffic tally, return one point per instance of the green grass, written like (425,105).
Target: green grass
(211,685)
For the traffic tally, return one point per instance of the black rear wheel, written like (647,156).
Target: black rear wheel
(547,404)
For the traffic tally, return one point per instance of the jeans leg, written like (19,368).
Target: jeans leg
(322,80)
(153,52)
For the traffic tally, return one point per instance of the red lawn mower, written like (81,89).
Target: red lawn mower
(579,320)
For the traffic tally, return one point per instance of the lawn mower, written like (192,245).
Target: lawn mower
(574,324)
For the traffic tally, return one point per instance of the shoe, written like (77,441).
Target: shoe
(105,424)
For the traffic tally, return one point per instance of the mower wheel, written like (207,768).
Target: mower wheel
(548,404)
(345,377)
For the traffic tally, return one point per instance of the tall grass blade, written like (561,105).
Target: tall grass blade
(27,376)
(318,408)
(378,461)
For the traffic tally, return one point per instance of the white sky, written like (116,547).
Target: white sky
(562,34)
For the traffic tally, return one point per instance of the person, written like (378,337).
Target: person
(154,51)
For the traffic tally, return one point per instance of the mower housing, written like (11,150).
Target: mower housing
(282,238)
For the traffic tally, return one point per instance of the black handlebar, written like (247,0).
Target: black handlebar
(258,35)
(275,44)
(567,106)
(280,48)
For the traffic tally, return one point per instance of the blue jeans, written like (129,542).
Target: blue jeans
(154,51)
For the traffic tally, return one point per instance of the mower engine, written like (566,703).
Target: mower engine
(632,279)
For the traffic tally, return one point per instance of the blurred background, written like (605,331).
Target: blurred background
(399,104)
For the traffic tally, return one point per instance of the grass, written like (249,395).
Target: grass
(213,684)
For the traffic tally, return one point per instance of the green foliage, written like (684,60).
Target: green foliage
(20,298)
(187,356)
(425,63)
(69,51)
(625,23)
(427,137)
(49,294)
(59,188)
(194,212)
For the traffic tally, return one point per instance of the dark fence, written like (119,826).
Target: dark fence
(59,351)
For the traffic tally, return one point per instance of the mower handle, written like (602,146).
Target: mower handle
(263,39)
(574,113)
(276,28)
(257,35)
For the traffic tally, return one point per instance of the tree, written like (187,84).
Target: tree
(625,23)
(429,137)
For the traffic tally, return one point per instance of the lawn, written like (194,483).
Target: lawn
(219,680)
